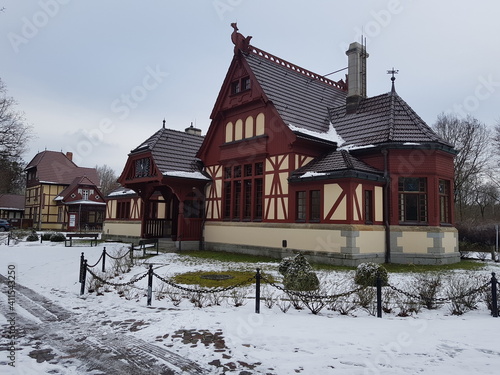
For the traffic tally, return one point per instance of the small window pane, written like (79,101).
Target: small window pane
(235,87)
(248,170)
(315,205)
(301,205)
(245,83)
(259,169)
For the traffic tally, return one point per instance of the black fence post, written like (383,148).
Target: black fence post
(104,260)
(131,252)
(84,277)
(8,239)
(379,296)
(150,284)
(257,291)
(494,302)
(82,258)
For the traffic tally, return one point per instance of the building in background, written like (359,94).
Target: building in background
(12,208)
(62,196)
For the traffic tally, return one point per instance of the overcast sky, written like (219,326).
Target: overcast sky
(98,77)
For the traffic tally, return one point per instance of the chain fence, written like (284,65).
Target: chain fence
(315,300)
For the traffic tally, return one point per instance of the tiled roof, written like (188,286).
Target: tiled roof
(335,162)
(382,119)
(12,202)
(173,150)
(54,167)
(309,101)
(301,97)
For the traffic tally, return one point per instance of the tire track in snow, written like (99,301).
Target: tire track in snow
(111,354)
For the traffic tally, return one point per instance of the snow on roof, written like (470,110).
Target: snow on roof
(354,147)
(313,174)
(330,135)
(195,175)
(122,191)
(81,201)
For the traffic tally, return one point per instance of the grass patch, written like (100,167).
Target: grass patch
(467,265)
(223,256)
(196,278)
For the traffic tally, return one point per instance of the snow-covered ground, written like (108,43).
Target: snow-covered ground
(240,341)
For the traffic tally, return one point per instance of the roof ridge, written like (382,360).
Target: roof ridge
(347,159)
(155,141)
(418,120)
(268,56)
(391,115)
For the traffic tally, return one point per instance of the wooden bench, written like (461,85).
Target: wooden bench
(145,244)
(70,236)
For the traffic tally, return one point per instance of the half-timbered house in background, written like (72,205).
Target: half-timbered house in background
(298,162)
(61,195)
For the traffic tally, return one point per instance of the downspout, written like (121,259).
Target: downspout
(204,218)
(386,208)
(79,217)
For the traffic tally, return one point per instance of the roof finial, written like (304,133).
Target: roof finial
(164,123)
(241,43)
(393,72)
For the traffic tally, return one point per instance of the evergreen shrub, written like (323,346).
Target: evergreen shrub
(57,237)
(366,274)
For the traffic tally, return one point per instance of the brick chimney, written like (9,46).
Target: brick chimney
(193,130)
(69,155)
(356,76)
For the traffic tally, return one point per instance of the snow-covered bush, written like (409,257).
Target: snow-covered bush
(366,274)
(298,274)
(57,237)
(32,237)
(46,236)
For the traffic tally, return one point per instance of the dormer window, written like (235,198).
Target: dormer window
(240,85)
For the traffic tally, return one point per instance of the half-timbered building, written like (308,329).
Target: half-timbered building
(294,161)
(61,195)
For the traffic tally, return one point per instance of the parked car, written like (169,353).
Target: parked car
(4,225)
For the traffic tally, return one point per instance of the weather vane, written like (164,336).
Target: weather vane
(393,72)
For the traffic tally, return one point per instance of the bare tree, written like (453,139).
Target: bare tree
(15,135)
(471,140)
(108,179)
(485,195)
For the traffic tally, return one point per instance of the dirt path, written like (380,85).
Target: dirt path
(70,341)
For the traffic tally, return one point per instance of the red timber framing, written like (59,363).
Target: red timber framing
(433,167)
(172,206)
